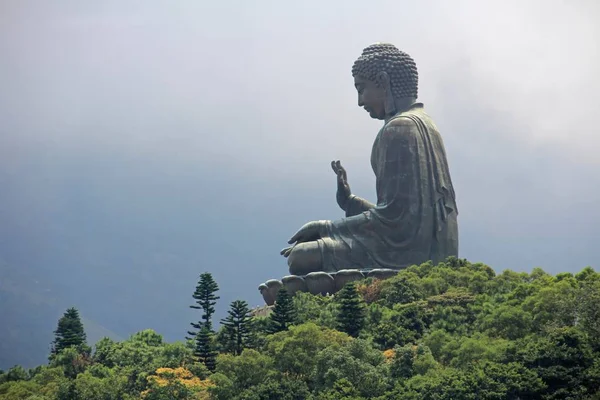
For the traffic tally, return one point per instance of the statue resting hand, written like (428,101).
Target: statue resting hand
(318,229)
(309,232)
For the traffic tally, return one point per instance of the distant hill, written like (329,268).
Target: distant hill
(29,312)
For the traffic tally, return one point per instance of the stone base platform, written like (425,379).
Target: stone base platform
(319,282)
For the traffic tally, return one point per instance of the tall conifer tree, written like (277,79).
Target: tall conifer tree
(69,332)
(205,300)
(284,313)
(351,311)
(237,327)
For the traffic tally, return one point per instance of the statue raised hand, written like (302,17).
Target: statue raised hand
(343,189)
(348,202)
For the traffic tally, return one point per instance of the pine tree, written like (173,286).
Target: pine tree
(206,299)
(284,313)
(205,348)
(69,332)
(237,327)
(351,311)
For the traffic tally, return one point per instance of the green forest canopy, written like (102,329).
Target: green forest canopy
(453,331)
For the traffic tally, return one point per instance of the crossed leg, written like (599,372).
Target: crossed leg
(305,258)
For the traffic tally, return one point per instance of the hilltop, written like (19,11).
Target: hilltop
(456,330)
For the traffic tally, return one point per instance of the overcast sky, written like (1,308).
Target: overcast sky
(198,134)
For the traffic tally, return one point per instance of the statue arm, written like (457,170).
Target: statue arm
(357,205)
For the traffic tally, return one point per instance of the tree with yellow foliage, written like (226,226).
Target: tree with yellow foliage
(176,383)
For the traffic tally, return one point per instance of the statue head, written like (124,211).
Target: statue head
(386,80)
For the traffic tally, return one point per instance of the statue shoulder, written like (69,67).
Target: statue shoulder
(401,122)
(400,125)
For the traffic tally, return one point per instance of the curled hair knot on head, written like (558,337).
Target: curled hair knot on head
(400,67)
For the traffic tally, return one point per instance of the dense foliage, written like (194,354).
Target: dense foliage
(452,331)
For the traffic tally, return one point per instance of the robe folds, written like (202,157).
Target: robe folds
(415,218)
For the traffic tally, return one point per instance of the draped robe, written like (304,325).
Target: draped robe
(415,218)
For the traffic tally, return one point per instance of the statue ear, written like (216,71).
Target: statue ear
(383,80)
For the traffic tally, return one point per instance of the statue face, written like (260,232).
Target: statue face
(371,97)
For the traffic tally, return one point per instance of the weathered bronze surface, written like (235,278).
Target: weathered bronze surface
(415,217)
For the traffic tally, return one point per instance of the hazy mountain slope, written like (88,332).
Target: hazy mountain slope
(29,311)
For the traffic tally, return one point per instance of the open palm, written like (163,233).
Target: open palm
(343,188)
